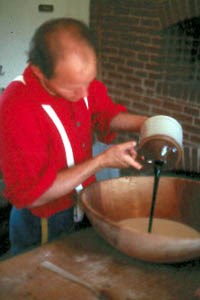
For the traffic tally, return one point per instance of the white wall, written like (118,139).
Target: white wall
(18,21)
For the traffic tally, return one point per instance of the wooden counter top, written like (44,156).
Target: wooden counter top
(88,256)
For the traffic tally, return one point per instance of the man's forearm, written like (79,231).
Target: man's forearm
(127,121)
(67,179)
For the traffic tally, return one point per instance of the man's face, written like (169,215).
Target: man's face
(72,77)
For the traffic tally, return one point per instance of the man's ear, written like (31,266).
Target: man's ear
(38,73)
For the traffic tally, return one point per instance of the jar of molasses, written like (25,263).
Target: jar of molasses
(161,140)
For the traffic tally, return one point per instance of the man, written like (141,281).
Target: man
(47,118)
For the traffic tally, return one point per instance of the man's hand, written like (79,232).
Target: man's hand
(120,156)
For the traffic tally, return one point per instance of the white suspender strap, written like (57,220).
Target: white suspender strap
(86,102)
(68,149)
(78,214)
(20,78)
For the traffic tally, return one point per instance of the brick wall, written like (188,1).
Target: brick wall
(142,63)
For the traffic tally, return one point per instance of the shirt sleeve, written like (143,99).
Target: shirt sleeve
(103,110)
(25,163)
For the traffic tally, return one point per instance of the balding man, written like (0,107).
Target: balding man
(47,119)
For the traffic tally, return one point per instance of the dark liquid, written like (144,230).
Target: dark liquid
(158,164)
(161,153)
(159,150)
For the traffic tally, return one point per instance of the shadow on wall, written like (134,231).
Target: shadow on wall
(5,208)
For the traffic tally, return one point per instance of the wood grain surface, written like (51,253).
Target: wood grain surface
(86,255)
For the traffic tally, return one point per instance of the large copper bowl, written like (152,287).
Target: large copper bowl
(108,202)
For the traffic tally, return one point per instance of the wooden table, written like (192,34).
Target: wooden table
(88,256)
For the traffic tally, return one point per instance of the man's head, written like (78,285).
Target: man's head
(63,57)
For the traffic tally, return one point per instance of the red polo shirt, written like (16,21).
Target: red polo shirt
(31,149)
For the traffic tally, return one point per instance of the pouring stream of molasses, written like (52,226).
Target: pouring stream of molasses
(157,171)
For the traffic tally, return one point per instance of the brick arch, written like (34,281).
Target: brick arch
(173,11)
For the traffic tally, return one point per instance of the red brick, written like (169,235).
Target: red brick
(194,111)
